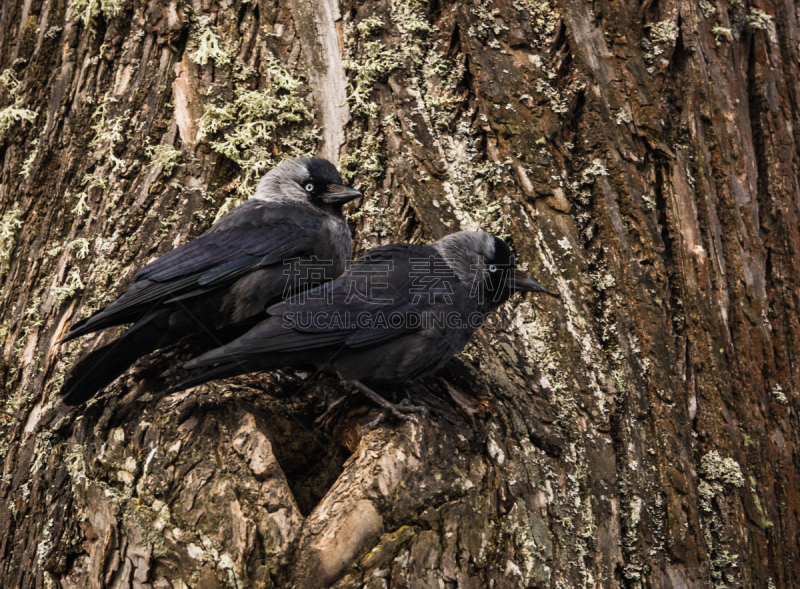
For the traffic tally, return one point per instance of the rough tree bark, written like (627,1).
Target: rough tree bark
(641,158)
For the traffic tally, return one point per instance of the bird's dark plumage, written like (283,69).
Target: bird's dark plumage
(410,321)
(218,285)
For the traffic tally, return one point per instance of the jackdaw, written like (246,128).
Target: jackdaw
(217,286)
(398,314)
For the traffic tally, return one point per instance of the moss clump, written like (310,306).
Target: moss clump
(777,392)
(4,332)
(12,115)
(380,218)
(661,33)
(28,163)
(664,32)
(72,286)
(208,48)
(557,104)
(442,99)
(31,319)
(365,161)
(87,10)
(215,118)
(720,33)
(9,225)
(81,208)
(592,171)
(707,8)
(759,20)
(82,247)
(722,561)
(111,136)
(369,25)
(486,23)
(408,17)
(108,134)
(93,181)
(255,116)
(375,63)
(715,468)
(542,16)
(467,191)
(164,156)
(589,174)
(100,115)
(9,81)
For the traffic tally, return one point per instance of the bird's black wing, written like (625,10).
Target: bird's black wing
(246,241)
(254,230)
(392,282)
(403,282)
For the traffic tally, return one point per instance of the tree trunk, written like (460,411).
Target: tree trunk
(642,159)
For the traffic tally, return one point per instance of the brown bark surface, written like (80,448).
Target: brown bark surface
(641,158)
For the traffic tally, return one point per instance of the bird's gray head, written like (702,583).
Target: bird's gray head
(311,180)
(480,258)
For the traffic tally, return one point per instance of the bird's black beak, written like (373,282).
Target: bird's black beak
(338,194)
(518,281)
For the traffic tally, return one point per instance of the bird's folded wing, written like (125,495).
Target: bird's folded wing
(213,259)
(212,252)
(382,280)
(335,313)
(267,337)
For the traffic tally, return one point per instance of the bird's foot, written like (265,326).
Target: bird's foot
(402,410)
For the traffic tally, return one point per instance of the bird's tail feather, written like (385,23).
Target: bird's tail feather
(102,366)
(75,330)
(99,321)
(229,365)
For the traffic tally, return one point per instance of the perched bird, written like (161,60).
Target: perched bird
(217,286)
(399,313)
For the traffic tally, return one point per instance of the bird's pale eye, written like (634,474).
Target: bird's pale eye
(492,268)
(309,187)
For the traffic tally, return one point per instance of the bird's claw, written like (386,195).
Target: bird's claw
(401,411)
(407,407)
(368,427)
